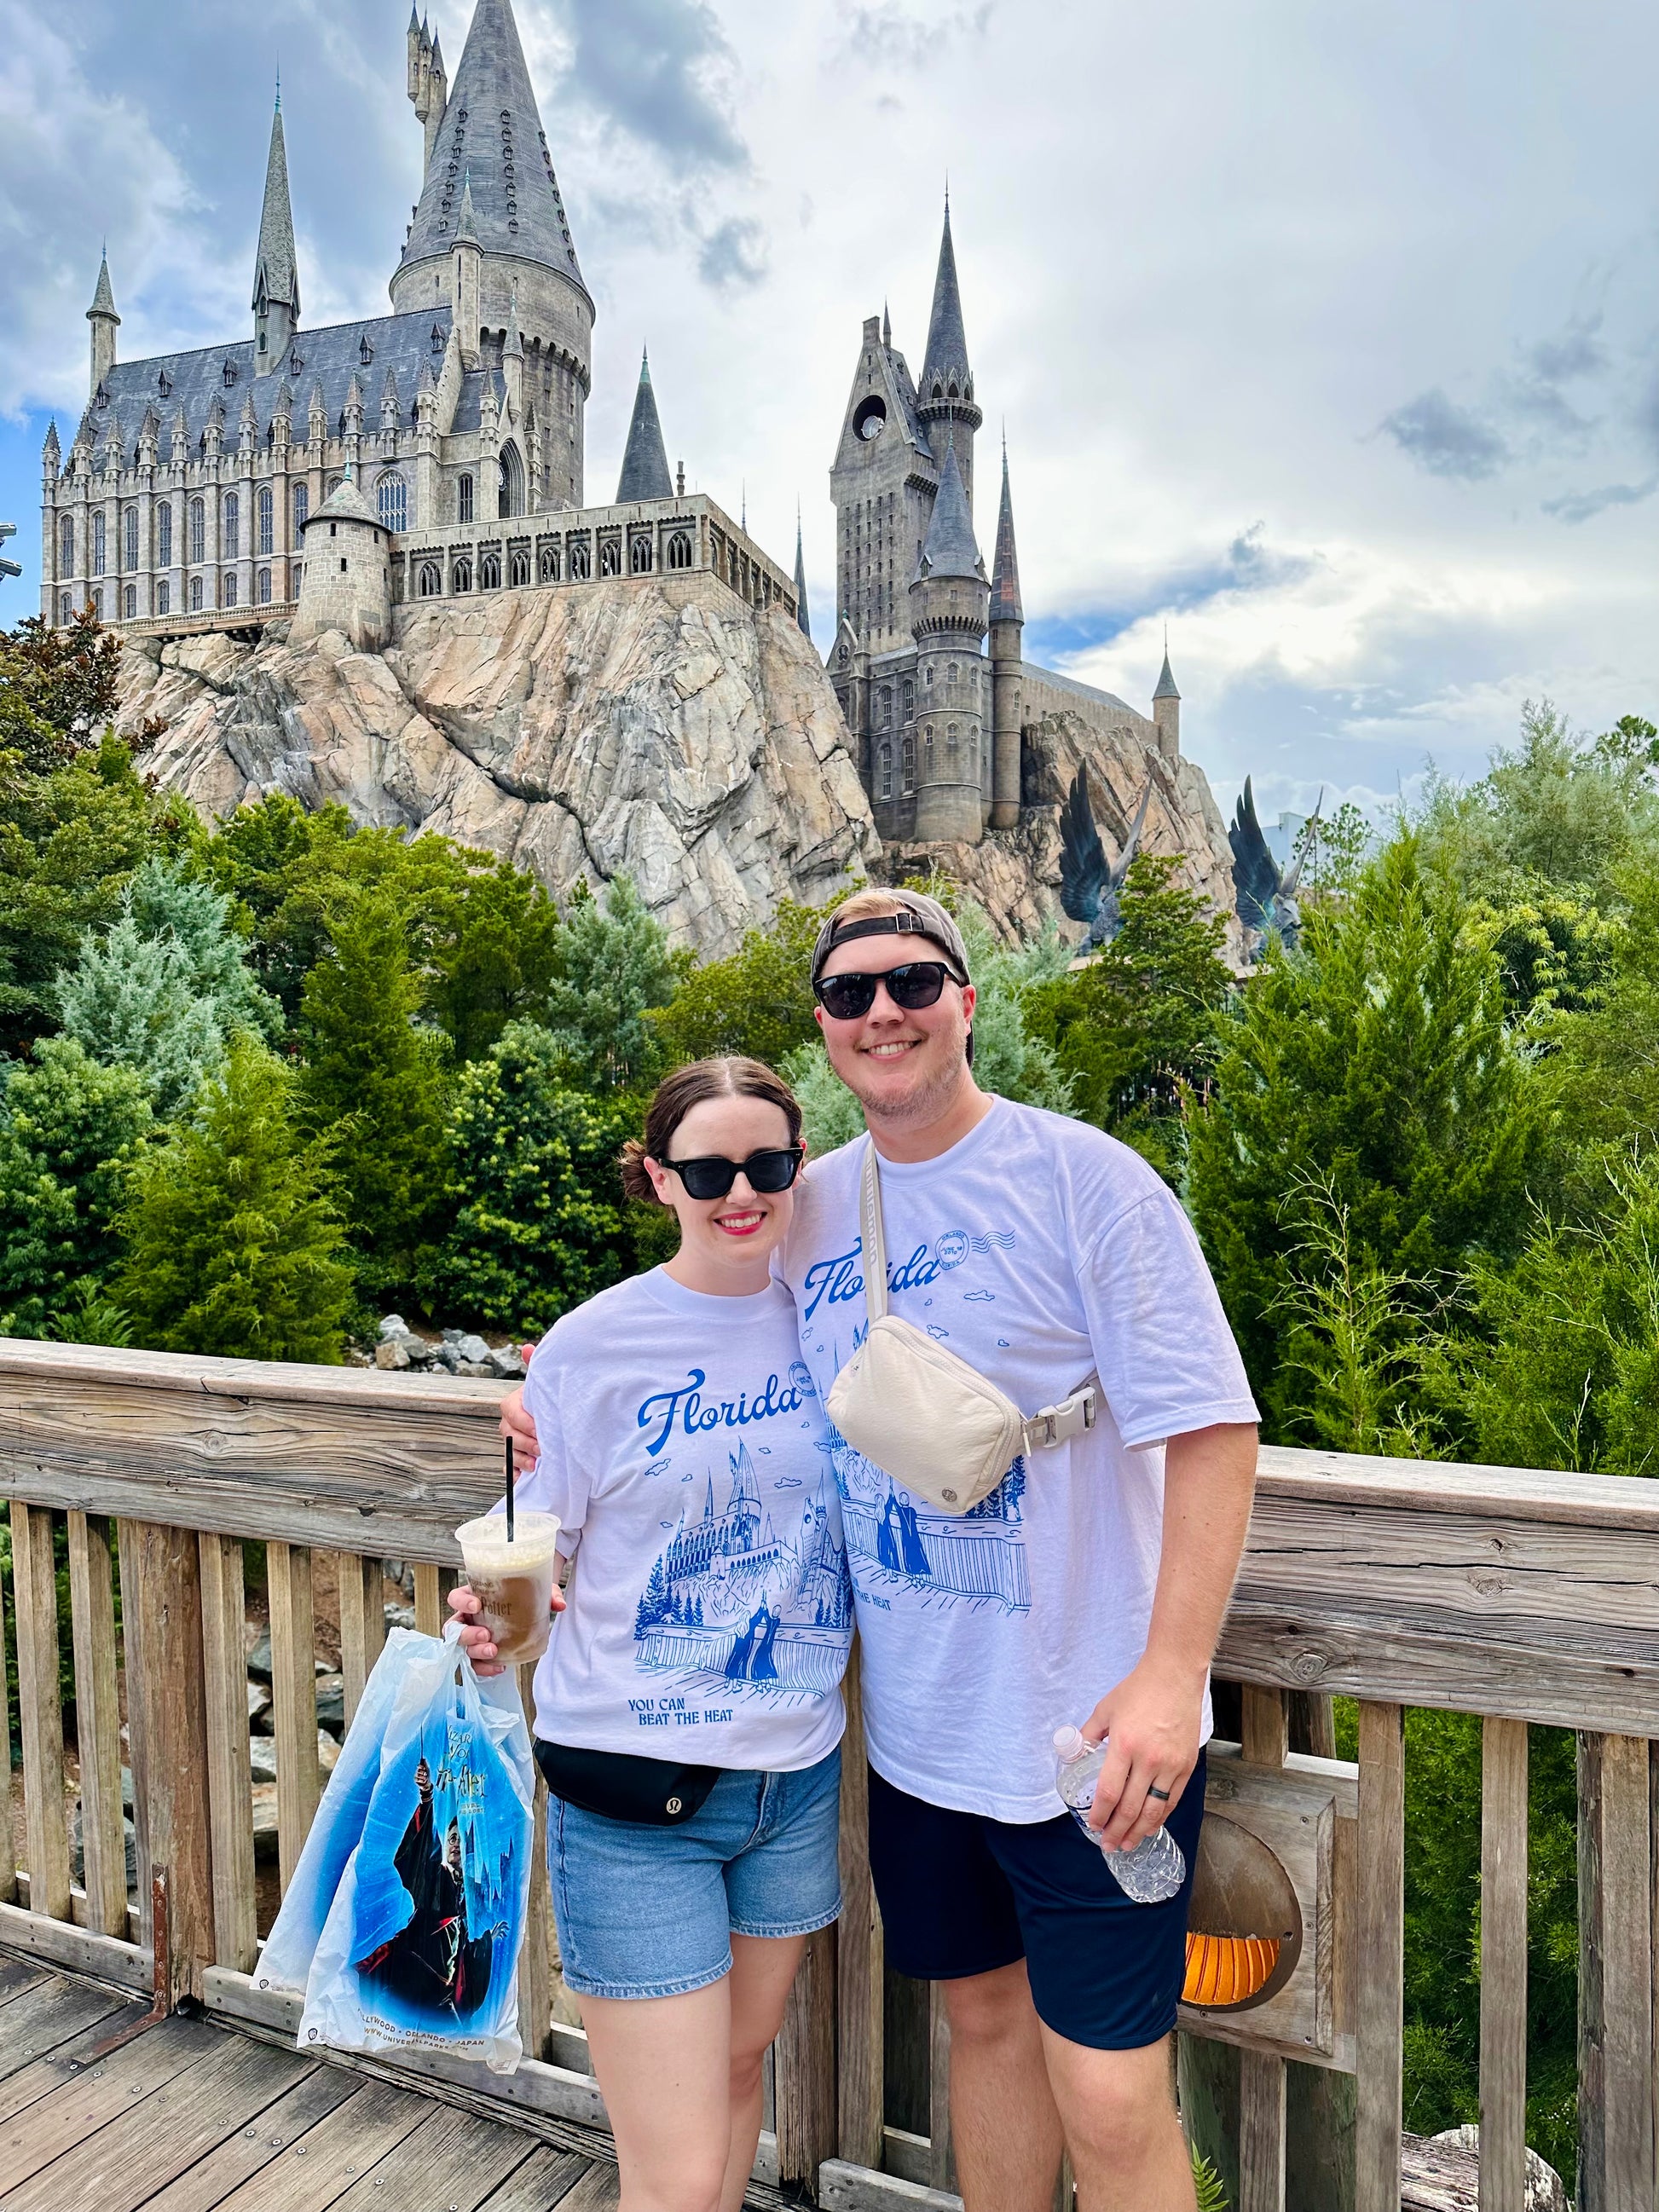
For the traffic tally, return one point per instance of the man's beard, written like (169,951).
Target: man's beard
(922,1105)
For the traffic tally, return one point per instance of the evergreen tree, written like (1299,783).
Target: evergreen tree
(378,1082)
(70,1133)
(166,899)
(759,1002)
(1376,1057)
(233,1241)
(130,1002)
(534,1194)
(497,948)
(618,968)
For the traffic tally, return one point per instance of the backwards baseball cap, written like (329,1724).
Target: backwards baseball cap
(918,915)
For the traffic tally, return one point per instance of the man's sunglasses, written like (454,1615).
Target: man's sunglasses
(912,985)
(712,1176)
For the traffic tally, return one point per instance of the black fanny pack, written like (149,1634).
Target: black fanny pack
(659,1793)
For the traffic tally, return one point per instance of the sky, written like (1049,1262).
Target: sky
(1325,337)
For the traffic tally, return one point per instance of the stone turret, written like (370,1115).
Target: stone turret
(347,582)
(945,397)
(466,291)
(801,615)
(1166,711)
(1007,690)
(105,322)
(645,457)
(429,85)
(275,266)
(949,600)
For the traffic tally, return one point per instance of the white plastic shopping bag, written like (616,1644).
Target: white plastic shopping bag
(419,1947)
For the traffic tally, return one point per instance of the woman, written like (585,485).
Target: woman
(709,1618)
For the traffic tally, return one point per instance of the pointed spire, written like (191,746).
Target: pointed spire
(946,358)
(103,300)
(275,268)
(645,459)
(515,345)
(886,328)
(800,580)
(467,227)
(950,548)
(1166,683)
(1004,571)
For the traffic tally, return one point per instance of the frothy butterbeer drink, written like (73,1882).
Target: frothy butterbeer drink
(513,1582)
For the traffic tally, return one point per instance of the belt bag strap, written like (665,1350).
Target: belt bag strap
(1053,1425)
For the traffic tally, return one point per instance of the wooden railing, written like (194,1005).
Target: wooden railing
(1515,1595)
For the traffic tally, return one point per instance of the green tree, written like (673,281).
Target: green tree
(1008,1059)
(1137,1028)
(378,1082)
(166,899)
(618,968)
(70,1133)
(129,1001)
(58,688)
(534,1192)
(759,1001)
(1377,1056)
(234,1240)
(497,949)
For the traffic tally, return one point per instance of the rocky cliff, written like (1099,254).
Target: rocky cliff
(662,729)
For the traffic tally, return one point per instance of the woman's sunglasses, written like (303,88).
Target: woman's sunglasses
(912,985)
(712,1177)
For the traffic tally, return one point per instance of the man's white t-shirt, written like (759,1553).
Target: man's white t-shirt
(1037,1249)
(684,1447)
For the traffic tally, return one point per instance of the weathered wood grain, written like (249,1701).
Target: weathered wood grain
(294,1700)
(453,2157)
(362,1625)
(229,1781)
(170,1760)
(103,1957)
(941,2152)
(546,2178)
(859,1950)
(98,1723)
(309,2175)
(1615,1976)
(1380,1928)
(40,1708)
(7,1848)
(804,2055)
(1502,1965)
(1261,2132)
(211,2179)
(78,2104)
(535,1954)
(1266,1726)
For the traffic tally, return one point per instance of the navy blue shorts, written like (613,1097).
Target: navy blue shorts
(961,1895)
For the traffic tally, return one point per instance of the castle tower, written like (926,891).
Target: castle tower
(950,602)
(429,85)
(1166,711)
(1008,690)
(347,582)
(946,397)
(881,481)
(275,266)
(105,322)
(467,285)
(645,459)
(489,131)
(801,615)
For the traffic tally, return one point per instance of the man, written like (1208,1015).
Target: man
(433,1963)
(1045,1255)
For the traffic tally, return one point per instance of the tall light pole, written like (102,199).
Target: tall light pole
(7,567)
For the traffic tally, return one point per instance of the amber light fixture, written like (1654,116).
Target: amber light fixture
(1246,1925)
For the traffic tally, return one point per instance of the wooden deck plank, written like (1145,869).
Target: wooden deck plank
(450,2163)
(84,2097)
(307,2176)
(598,2190)
(45,2018)
(544,2180)
(255,2145)
(18,1975)
(138,2152)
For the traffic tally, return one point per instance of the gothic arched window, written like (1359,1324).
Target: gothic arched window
(489,573)
(887,771)
(301,507)
(928,754)
(98,544)
(263,587)
(66,607)
(267,520)
(393,502)
(520,568)
(639,556)
(164,537)
(230,589)
(196,595)
(908,765)
(66,546)
(611,558)
(461,576)
(233,525)
(131,601)
(431,580)
(466,499)
(909,701)
(679,550)
(198,535)
(950,739)
(164,598)
(582,559)
(549,564)
(510,495)
(130,535)
(98,605)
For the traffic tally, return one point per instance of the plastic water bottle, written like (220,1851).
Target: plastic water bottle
(1155,1868)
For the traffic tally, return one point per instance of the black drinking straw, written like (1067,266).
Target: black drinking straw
(510,1490)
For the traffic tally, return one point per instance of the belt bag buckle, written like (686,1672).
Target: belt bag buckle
(1057,1424)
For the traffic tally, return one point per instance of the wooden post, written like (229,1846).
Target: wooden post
(1615,1976)
(162,1599)
(229,1780)
(941,2155)
(803,2079)
(858,1953)
(432,1588)
(8,1847)
(1266,1716)
(1502,1965)
(294,1700)
(1380,1936)
(362,1625)
(98,1725)
(535,1960)
(41,1710)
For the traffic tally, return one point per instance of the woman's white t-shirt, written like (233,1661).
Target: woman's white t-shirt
(684,1449)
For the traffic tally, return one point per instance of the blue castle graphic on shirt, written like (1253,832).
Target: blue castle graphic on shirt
(904,1549)
(728,1597)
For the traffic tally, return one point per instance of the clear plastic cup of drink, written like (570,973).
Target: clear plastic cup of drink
(513,1582)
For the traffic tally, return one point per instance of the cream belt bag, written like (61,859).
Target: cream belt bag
(923,1416)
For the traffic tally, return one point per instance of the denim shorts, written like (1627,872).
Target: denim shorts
(651,1912)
